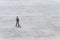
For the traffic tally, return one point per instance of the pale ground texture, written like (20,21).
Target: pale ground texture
(39,19)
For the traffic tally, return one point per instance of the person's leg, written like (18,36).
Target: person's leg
(19,25)
(16,24)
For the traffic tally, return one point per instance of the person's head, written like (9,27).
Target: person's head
(17,16)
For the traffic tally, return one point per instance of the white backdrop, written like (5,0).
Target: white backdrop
(39,19)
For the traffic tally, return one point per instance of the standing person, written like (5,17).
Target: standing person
(17,22)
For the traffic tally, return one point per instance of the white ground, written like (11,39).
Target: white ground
(39,19)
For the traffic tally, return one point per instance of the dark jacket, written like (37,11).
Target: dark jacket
(17,19)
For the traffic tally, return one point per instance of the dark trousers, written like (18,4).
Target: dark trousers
(17,24)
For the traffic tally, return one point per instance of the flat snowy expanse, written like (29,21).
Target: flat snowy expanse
(39,19)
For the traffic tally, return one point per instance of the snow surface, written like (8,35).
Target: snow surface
(39,19)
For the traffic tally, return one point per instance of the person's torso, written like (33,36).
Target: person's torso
(17,20)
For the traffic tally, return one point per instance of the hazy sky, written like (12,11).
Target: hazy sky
(25,2)
(44,6)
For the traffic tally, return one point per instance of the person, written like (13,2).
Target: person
(17,22)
